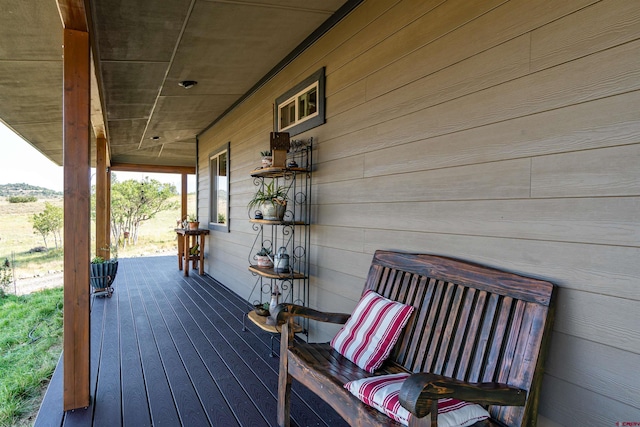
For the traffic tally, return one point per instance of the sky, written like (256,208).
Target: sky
(20,162)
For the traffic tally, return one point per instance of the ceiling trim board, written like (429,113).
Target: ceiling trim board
(133,167)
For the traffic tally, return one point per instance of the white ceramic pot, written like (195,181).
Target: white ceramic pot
(273,211)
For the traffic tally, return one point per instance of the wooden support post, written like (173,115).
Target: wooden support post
(76,98)
(108,209)
(103,241)
(184,197)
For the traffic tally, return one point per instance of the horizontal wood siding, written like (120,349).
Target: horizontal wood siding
(501,132)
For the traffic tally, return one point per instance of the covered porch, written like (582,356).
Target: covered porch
(171,350)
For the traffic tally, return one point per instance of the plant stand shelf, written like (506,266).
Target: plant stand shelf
(291,234)
(261,322)
(272,274)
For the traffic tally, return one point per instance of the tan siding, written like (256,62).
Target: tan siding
(596,124)
(605,24)
(508,21)
(347,262)
(345,100)
(349,168)
(450,78)
(606,172)
(608,73)
(504,62)
(501,132)
(612,220)
(427,28)
(347,238)
(608,320)
(500,180)
(572,405)
(377,30)
(607,380)
(341,285)
(612,270)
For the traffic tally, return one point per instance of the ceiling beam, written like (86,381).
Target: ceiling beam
(131,167)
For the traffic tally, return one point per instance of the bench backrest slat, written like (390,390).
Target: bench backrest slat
(472,322)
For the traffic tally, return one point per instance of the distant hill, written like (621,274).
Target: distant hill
(22,189)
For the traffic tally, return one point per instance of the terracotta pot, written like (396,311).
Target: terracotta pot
(263,261)
(194,225)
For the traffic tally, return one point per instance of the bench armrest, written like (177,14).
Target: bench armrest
(284,311)
(419,392)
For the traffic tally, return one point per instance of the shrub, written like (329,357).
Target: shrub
(5,276)
(22,199)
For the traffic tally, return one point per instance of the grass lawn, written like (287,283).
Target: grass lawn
(31,325)
(30,345)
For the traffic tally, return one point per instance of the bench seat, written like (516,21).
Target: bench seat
(477,334)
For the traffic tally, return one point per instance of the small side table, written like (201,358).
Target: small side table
(187,239)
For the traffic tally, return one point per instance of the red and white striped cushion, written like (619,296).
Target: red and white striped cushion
(382,393)
(372,330)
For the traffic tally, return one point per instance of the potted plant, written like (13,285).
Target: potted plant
(193,222)
(271,200)
(267,159)
(263,258)
(103,273)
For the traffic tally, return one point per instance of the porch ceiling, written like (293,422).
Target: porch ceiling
(142,50)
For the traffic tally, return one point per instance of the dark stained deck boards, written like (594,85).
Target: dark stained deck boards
(260,343)
(169,350)
(135,408)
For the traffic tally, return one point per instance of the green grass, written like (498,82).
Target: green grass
(30,345)
(26,365)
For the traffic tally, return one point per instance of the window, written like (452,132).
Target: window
(302,107)
(219,184)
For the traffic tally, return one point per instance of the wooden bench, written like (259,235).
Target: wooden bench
(477,334)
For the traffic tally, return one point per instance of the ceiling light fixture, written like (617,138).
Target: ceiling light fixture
(188,84)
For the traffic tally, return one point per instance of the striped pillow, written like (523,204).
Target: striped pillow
(382,393)
(372,330)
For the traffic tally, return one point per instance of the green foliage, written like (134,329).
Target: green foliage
(30,345)
(22,199)
(101,260)
(269,193)
(22,189)
(6,276)
(49,221)
(264,252)
(134,202)
(192,217)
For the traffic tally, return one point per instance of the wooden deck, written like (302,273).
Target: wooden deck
(169,350)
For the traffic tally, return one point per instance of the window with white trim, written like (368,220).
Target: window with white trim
(302,107)
(219,186)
